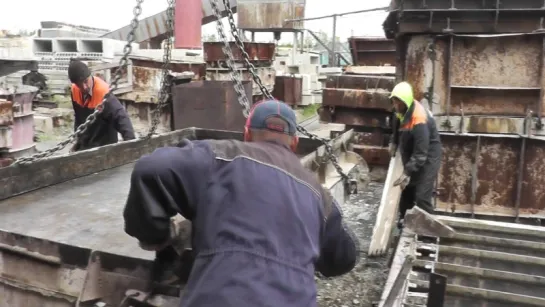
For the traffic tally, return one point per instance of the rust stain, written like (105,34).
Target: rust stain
(288,89)
(492,102)
(355,117)
(497,61)
(415,58)
(6,113)
(533,184)
(372,51)
(491,125)
(360,82)
(366,99)
(497,172)
(213,51)
(270,16)
(455,174)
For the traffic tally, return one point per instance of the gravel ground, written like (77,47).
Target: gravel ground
(363,286)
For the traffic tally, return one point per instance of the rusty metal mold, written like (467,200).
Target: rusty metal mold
(373,155)
(199,69)
(479,174)
(491,102)
(368,51)
(355,117)
(497,62)
(465,17)
(288,89)
(258,52)
(360,82)
(266,74)
(6,113)
(366,99)
(209,105)
(270,15)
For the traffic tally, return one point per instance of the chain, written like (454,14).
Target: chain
(123,64)
(246,57)
(236,77)
(164,92)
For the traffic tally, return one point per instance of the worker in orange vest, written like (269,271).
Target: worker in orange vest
(88,92)
(418,141)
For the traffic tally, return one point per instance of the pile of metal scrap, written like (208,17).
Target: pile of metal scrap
(16,122)
(261,56)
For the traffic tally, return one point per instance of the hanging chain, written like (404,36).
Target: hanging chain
(236,78)
(123,64)
(164,93)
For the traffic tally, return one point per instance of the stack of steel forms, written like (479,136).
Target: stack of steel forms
(361,103)
(261,56)
(359,98)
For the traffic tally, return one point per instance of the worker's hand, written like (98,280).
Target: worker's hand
(392,150)
(73,148)
(179,238)
(402,181)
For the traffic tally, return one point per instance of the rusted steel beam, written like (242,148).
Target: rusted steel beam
(365,99)
(360,82)
(258,52)
(368,51)
(355,117)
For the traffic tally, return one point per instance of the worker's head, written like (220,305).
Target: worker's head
(402,99)
(80,75)
(272,120)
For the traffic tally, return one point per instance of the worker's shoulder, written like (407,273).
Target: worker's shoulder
(272,155)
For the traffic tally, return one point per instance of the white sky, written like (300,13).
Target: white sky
(113,14)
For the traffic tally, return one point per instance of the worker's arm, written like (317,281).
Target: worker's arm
(171,180)
(118,115)
(77,116)
(421,138)
(339,248)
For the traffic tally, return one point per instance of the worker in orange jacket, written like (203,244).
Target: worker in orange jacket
(88,92)
(418,141)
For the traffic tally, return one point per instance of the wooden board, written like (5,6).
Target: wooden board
(388,211)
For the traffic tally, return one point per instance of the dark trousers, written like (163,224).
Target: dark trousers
(420,194)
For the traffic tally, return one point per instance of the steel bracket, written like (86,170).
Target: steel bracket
(92,285)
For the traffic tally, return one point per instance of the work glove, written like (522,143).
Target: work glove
(402,181)
(179,237)
(392,149)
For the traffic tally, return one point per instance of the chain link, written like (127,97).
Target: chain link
(123,64)
(164,93)
(236,78)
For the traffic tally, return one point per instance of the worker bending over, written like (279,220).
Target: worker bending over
(262,224)
(418,141)
(87,93)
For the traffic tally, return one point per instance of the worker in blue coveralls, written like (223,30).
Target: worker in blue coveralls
(418,140)
(262,224)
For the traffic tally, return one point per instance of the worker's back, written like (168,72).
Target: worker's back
(257,229)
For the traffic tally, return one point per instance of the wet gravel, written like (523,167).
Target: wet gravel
(363,285)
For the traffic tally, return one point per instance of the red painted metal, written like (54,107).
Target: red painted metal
(188,16)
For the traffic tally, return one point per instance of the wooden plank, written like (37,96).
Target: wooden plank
(388,211)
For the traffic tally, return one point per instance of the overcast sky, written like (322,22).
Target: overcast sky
(113,14)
